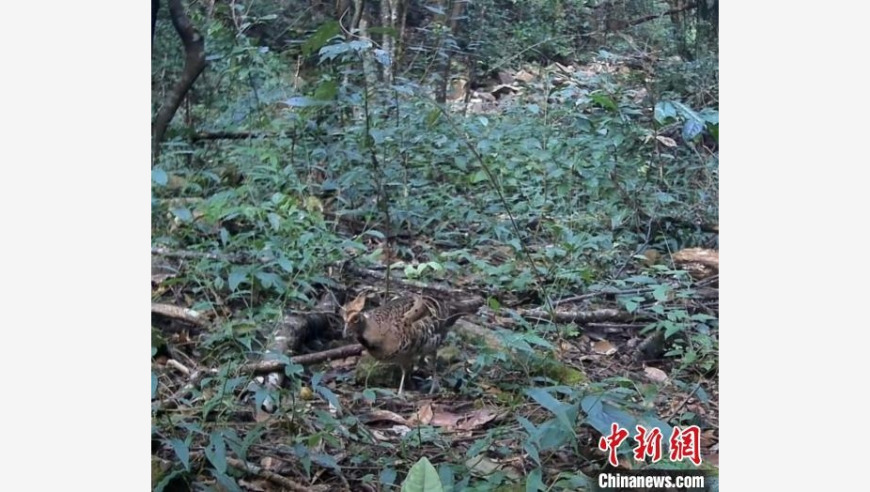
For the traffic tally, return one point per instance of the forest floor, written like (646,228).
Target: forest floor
(529,384)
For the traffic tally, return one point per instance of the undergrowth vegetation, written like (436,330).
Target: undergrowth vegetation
(561,204)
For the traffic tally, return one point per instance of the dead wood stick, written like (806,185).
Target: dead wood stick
(266,366)
(576,316)
(238,135)
(605,292)
(617,326)
(261,367)
(273,477)
(176,312)
(201,254)
(178,366)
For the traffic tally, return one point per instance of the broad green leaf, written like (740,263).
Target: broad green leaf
(227,483)
(604,101)
(161,486)
(691,129)
(183,214)
(714,131)
(274,221)
(332,51)
(601,413)
(236,277)
(687,112)
(671,328)
(216,452)
(318,40)
(159,176)
(235,443)
(664,111)
(432,117)
(326,91)
(327,394)
(153,384)
(422,477)
(383,57)
(182,451)
(387,477)
(478,176)
(326,461)
(445,474)
(285,264)
(559,409)
(360,45)
(530,448)
(660,292)
(268,279)
(534,481)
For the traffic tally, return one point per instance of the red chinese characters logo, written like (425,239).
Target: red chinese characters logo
(686,444)
(683,443)
(649,443)
(611,442)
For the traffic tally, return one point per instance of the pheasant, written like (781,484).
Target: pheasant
(404,329)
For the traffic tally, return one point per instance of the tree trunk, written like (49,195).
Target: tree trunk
(155,6)
(452,22)
(194,64)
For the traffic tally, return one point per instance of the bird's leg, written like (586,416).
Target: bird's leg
(402,382)
(433,363)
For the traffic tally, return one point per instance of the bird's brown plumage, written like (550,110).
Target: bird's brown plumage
(403,330)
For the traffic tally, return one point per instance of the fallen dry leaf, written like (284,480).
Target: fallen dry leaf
(445,419)
(482,466)
(603,347)
(423,415)
(524,76)
(655,374)
(668,142)
(476,419)
(699,262)
(379,415)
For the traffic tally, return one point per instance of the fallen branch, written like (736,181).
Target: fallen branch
(273,477)
(237,135)
(261,367)
(201,254)
(647,18)
(266,366)
(184,314)
(178,366)
(576,316)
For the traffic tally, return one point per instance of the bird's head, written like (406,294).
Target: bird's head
(354,324)
(354,319)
